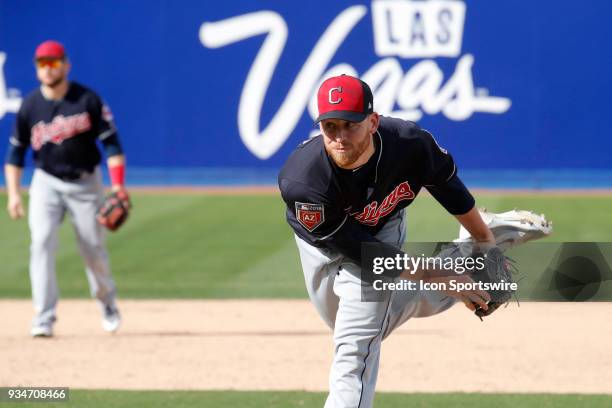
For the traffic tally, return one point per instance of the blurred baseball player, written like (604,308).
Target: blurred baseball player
(62,121)
(350,185)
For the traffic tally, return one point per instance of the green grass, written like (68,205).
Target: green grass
(250,399)
(199,246)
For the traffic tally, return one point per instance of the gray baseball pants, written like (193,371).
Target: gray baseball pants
(50,199)
(359,327)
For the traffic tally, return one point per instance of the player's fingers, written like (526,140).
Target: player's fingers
(469,305)
(475,297)
(14,208)
(16,212)
(20,211)
(483,294)
(478,293)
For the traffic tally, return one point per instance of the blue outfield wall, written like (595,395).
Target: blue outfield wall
(518,91)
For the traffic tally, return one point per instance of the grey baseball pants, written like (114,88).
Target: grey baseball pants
(50,200)
(359,327)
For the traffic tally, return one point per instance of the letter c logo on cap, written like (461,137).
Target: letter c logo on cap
(331,100)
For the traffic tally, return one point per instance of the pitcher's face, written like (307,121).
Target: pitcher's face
(346,142)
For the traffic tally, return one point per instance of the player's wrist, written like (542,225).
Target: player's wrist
(117,175)
(13,194)
(485,245)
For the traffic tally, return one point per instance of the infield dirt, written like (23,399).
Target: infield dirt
(283,345)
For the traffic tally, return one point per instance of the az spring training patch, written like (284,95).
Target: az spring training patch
(309,215)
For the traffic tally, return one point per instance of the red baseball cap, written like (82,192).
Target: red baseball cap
(50,49)
(344,97)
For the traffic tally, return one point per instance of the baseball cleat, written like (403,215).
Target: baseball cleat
(42,330)
(111,320)
(512,228)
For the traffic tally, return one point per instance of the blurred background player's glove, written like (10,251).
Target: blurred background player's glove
(115,210)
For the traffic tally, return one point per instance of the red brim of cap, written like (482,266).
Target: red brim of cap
(349,116)
(50,56)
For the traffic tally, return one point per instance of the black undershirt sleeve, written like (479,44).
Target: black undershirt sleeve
(441,178)
(19,141)
(112,146)
(453,195)
(105,128)
(15,155)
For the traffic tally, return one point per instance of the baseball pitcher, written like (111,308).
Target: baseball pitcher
(349,186)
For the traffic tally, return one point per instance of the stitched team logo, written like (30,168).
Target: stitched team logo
(373,212)
(309,215)
(59,129)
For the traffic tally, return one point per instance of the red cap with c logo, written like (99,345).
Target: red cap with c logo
(344,97)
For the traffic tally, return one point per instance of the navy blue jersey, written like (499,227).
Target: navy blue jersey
(63,133)
(339,209)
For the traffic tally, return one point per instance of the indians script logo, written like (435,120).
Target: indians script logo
(403,29)
(59,129)
(372,213)
(10,101)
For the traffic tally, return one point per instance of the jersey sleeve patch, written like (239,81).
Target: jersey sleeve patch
(15,142)
(107,115)
(309,215)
